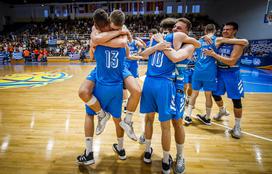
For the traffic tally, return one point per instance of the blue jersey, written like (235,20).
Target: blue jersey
(205,66)
(109,64)
(133,49)
(225,50)
(159,65)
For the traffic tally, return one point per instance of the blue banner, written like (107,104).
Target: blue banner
(52,41)
(258,53)
(17,55)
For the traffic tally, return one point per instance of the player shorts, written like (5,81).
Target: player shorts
(206,85)
(158,95)
(110,98)
(228,80)
(180,105)
(132,66)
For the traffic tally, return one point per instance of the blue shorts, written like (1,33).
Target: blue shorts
(158,95)
(206,85)
(188,73)
(92,75)
(180,105)
(110,98)
(229,80)
(132,66)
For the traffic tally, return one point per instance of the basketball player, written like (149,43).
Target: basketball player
(108,88)
(205,71)
(229,75)
(130,82)
(161,71)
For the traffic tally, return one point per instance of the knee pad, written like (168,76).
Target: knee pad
(217,97)
(237,103)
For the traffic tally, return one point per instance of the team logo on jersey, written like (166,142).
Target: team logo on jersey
(34,79)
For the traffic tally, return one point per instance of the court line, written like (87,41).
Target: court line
(250,134)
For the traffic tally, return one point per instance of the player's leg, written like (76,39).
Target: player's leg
(87,157)
(220,90)
(166,143)
(235,91)
(149,120)
(118,147)
(179,139)
(135,93)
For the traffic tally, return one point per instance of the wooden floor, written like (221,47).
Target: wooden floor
(41,131)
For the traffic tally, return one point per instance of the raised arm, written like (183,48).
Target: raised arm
(185,52)
(180,38)
(150,50)
(234,41)
(235,55)
(118,42)
(99,38)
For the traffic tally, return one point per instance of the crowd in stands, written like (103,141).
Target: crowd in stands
(72,35)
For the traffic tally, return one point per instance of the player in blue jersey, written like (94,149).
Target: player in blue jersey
(184,70)
(160,77)
(108,87)
(205,71)
(229,75)
(85,92)
(184,25)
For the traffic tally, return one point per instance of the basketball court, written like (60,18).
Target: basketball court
(42,127)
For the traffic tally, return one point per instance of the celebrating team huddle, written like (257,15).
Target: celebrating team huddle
(178,67)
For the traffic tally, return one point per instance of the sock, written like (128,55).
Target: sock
(179,149)
(128,117)
(208,112)
(101,113)
(89,144)
(237,122)
(148,145)
(190,109)
(165,157)
(143,122)
(120,143)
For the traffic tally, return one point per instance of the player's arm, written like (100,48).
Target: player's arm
(186,51)
(180,38)
(235,55)
(140,43)
(99,38)
(234,41)
(150,50)
(118,42)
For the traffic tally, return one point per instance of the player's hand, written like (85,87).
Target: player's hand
(163,45)
(209,52)
(207,39)
(158,37)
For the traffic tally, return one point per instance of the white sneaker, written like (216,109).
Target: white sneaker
(102,121)
(142,139)
(236,132)
(128,128)
(220,114)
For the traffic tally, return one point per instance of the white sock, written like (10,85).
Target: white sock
(166,157)
(190,109)
(120,143)
(101,113)
(128,117)
(208,112)
(237,122)
(143,122)
(89,144)
(147,145)
(179,149)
